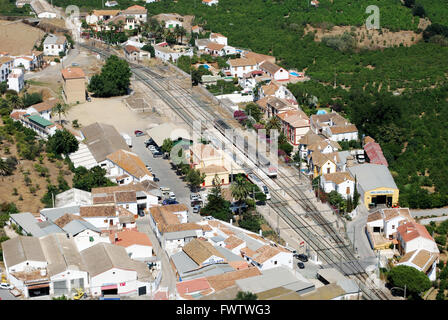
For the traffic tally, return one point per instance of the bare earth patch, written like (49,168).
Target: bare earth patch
(18,38)
(371,39)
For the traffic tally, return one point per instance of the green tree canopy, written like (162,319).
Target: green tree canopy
(85,179)
(62,142)
(113,80)
(241,295)
(415,281)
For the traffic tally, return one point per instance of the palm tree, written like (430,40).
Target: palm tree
(120,25)
(60,108)
(240,189)
(5,170)
(15,101)
(273,123)
(176,32)
(182,33)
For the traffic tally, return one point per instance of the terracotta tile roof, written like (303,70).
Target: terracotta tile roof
(97,211)
(215,46)
(310,138)
(368,139)
(17,114)
(412,230)
(125,216)
(129,162)
(262,102)
(259,58)
(199,250)
(270,89)
(6,60)
(319,159)
(270,67)
(163,217)
(135,9)
(214,169)
(216,35)
(256,236)
(295,118)
(242,62)
(375,216)
(227,231)
(338,177)
(103,199)
(247,252)
(105,12)
(182,227)
(192,286)
(72,73)
(176,207)
(322,144)
(232,242)
(225,280)
(62,221)
(239,265)
(130,237)
(265,253)
(130,49)
(128,187)
(423,259)
(46,105)
(390,214)
(125,196)
(343,129)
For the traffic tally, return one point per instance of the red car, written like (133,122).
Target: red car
(138,133)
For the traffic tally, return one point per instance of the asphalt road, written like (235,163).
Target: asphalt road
(355,231)
(163,170)
(6,295)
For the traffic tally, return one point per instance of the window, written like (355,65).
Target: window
(275,262)
(91,239)
(393,226)
(127,206)
(328,170)
(348,190)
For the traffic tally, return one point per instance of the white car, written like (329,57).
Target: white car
(7,286)
(172,196)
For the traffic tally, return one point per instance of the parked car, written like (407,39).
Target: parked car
(169,201)
(138,133)
(74,64)
(302,257)
(149,168)
(196,208)
(172,196)
(194,197)
(7,286)
(156,179)
(157,154)
(300,265)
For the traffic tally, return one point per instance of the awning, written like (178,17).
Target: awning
(109,287)
(38,286)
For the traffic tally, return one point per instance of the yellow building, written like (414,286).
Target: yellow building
(322,163)
(375,185)
(212,162)
(74,86)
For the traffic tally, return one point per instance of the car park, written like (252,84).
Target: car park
(300,265)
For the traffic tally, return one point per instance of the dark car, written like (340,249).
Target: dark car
(138,133)
(157,154)
(300,265)
(302,257)
(169,201)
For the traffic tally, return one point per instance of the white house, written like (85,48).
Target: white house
(413,236)
(43,109)
(53,45)
(210,2)
(101,15)
(126,167)
(268,257)
(218,38)
(43,9)
(422,260)
(342,133)
(16,80)
(139,13)
(111,3)
(24,62)
(101,216)
(274,71)
(173,242)
(166,53)
(137,244)
(239,67)
(341,182)
(6,65)
(111,271)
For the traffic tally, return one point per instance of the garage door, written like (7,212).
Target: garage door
(60,288)
(77,283)
(142,291)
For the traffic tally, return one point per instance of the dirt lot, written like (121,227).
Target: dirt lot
(114,112)
(18,38)
(369,38)
(31,202)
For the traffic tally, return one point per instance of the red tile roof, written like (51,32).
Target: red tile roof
(130,237)
(72,73)
(375,154)
(411,230)
(192,286)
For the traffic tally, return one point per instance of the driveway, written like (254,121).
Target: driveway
(163,170)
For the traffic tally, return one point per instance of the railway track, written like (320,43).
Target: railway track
(332,248)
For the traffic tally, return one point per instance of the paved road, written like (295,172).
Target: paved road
(355,231)
(163,170)
(168,276)
(6,295)
(429,212)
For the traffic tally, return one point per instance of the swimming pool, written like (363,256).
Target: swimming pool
(295,74)
(206,66)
